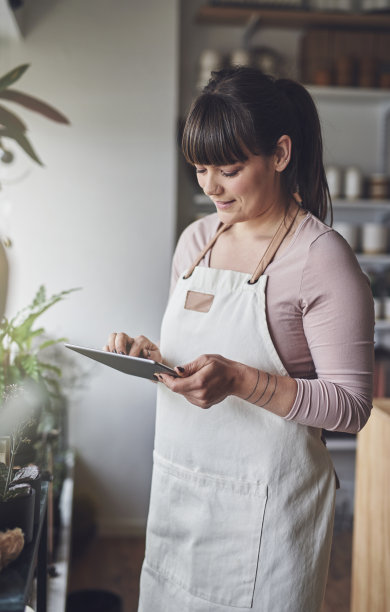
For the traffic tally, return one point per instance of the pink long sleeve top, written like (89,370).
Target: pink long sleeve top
(321,319)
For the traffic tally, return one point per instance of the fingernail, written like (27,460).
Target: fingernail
(114,351)
(180,369)
(121,353)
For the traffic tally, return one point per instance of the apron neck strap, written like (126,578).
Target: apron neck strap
(280,234)
(205,250)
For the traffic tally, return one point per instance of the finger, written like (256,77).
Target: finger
(190,393)
(147,352)
(194,366)
(111,342)
(139,343)
(185,386)
(106,348)
(167,379)
(123,343)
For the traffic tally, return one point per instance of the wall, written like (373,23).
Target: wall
(100,215)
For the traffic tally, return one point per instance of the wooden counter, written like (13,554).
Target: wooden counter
(371,533)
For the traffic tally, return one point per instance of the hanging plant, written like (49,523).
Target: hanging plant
(11,126)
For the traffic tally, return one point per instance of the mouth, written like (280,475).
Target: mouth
(223,205)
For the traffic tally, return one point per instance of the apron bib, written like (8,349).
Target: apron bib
(242,501)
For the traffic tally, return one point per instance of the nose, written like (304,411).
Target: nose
(211,185)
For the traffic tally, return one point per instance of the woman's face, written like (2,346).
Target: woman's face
(242,191)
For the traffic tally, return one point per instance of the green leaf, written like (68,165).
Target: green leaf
(51,343)
(22,141)
(29,363)
(34,104)
(12,76)
(53,382)
(8,119)
(49,366)
(39,298)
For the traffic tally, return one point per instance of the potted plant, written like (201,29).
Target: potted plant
(17,499)
(31,394)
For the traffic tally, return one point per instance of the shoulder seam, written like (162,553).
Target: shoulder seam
(327,231)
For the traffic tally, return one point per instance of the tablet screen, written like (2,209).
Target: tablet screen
(135,366)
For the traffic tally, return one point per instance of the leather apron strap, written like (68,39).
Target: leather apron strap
(204,251)
(280,234)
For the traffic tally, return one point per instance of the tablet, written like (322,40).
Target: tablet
(135,366)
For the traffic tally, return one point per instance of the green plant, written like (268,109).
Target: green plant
(11,126)
(18,412)
(31,398)
(20,345)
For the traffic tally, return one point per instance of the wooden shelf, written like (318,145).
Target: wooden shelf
(374,260)
(364,95)
(364,204)
(341,444)
(382,325)
(240,16)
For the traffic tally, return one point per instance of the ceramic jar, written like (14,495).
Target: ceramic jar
(374,238)
(378,186)
(353,183)
(334,177)
(349,232)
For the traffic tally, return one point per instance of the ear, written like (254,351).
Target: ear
(282,154)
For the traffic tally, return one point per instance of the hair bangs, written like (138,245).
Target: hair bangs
(215,135)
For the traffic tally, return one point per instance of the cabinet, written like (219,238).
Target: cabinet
(355,124)
(16,580)
(371,541)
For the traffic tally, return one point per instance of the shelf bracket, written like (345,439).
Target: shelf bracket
(253,24)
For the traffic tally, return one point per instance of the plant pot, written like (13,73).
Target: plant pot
(30,475)
(19,512)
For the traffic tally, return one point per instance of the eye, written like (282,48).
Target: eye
(200,170)
(230,174)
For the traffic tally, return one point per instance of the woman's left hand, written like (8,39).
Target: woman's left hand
(204,382)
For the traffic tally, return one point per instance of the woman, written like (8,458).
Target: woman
(271,321)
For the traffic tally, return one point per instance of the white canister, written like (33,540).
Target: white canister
(334,176)
(374,238)
(353,183)
(386,307)
(210,59)
(378,307)
(240,57)
(349,231)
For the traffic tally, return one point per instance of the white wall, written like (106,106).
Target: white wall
(100,215)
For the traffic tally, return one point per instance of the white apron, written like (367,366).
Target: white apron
(242,501)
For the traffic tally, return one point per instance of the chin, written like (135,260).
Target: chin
(230,217)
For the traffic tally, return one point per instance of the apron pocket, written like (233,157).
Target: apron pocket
(204,532)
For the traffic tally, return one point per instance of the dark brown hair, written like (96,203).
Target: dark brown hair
(243,109)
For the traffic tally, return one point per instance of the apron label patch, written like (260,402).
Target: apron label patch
(201,302)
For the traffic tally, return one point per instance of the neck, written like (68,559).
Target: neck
(263,225)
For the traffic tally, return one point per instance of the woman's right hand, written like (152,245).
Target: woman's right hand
(136,347)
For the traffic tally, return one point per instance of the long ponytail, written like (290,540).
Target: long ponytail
(306,169)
